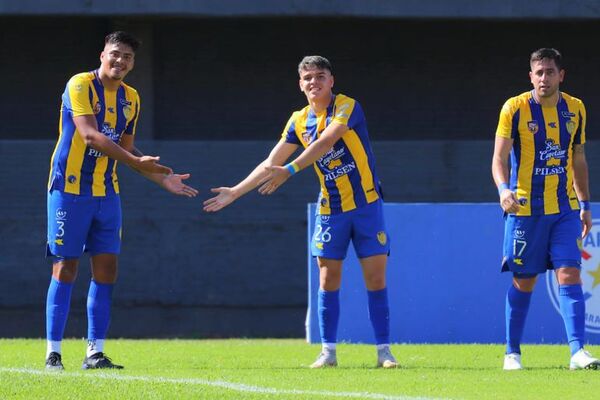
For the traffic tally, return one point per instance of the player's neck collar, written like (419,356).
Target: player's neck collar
(111,89)
(537,100)
(321,110)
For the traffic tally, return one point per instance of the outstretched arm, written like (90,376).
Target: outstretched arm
(227,195)
(278,175)
(582,186)
(88,129)
(171,182)
(508,200)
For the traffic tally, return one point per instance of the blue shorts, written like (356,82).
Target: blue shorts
(83,223)
(365,226)
(535,244)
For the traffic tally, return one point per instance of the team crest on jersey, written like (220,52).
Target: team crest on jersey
(323,202)
(307,137)
(590,275)
(97,108)
(382,238)
(533,126)
(127,112)
(571,126)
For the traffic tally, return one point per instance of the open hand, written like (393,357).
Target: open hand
(174,184)
(225,196)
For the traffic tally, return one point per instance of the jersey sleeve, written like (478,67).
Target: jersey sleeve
(580,133)
(132,125)
(508,125)
(78,94)
(348,112)
(289,132)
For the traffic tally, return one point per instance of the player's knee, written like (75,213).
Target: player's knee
(64,272)
(375,282)
(330,282)
(105,275)
(568,276)
(524,284)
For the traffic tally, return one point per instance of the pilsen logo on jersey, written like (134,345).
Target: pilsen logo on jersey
(590,275)
(533,126)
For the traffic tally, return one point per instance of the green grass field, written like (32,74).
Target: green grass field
(277,369)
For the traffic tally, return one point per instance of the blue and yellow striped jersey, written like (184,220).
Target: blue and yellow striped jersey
(76,168)
(347,171)
(542,154)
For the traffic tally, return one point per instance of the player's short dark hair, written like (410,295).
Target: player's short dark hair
(549,53)
(120,37)
(314,62)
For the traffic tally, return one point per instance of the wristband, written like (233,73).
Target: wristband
(292,168)
(584,205)
(501,187)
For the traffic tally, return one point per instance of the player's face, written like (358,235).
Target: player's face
(316,83)
(117,60)
(545,77)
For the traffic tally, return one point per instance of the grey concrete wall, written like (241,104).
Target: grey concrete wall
(185,273)
(235,79)
(379,8)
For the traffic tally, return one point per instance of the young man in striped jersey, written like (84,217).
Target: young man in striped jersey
(546,200)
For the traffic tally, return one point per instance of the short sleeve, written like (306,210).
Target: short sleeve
(135,108)
(348,112)
(580,132)
(78,96)
(289,132)
(508,123)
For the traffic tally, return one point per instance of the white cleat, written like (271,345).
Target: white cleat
(325,359)
(385,359)
(512,362)
(583,360)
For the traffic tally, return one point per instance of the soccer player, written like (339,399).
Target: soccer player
(97,125)
(546,200)
(333,130)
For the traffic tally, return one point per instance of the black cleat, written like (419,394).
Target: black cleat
(99,360)
(54,362)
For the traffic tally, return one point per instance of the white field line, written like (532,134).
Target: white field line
(238,387)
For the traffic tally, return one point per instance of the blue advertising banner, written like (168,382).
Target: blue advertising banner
(444,281)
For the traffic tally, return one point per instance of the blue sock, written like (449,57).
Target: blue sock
(58,303)
(517,305)
(572,308)
(329,315)
(98,309)
(379,314)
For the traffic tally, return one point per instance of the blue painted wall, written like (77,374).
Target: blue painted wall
(445,284)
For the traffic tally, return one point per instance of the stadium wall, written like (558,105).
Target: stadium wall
(185,273)
(236,79)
